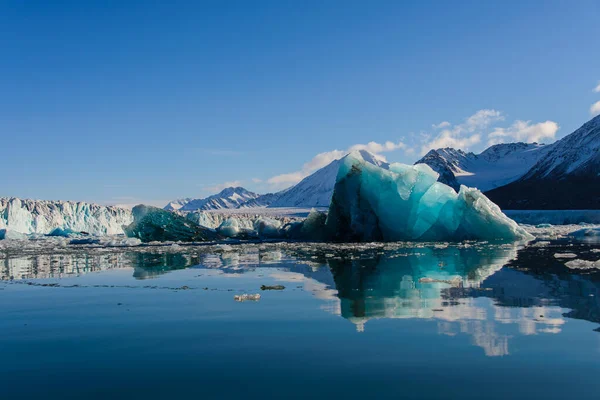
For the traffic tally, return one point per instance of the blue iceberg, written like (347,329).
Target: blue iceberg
(155,224)
(406,203)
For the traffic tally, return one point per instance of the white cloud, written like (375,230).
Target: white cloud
(325,158)
(220,186)
(447,139)
(481,120)
(524,131)
(464,135)
(597,88)
(443,124)
(595,108)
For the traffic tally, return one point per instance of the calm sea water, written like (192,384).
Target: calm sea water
(472,321)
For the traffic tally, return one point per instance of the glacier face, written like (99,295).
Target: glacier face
(42,216)
(406,202)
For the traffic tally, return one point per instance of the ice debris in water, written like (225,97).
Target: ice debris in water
(583,264)
(565,255)
(587,234)
(155,224)
(246,297)
(407,203)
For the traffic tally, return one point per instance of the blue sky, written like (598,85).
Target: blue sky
(137,101)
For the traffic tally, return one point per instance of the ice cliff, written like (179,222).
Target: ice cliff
(41,216)
(407,203)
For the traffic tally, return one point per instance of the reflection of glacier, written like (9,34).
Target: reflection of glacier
(463,288)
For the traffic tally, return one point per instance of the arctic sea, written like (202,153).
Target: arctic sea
(395,320)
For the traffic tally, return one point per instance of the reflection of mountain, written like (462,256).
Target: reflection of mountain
(451,286)
(463,288)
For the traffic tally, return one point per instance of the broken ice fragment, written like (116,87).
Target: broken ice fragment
(246,297)
(155,224)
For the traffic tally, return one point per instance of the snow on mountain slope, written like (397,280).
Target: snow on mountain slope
(177,204)
(576,154)
(566,177)
(42,216)
(264,200)
(496,166)
(231,197)
(316,190)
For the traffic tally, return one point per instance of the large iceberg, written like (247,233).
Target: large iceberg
(407,203)
(155,224)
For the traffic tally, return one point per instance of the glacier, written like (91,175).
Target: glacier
(407,203)
(43,217)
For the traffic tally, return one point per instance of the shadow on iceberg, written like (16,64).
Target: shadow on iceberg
(407,203)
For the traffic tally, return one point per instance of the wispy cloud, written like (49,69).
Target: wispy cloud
(524,131)
(595,108)
(482,126)
(323,159)
(464,135)
(597,88)
(443,124)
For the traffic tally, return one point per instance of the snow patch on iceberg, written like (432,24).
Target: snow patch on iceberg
(407,203)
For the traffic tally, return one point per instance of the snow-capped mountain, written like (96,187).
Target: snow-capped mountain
(42,216)
(231,197)
(496,166)
(177,204)
(566,177)
(263,200)
(316,190)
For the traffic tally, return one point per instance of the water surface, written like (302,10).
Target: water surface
(371,321)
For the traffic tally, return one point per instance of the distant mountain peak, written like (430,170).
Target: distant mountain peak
(496,166)
(230,197)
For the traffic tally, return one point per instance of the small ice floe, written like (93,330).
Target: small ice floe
(583,264)
(246,297)
(565,255)
(541,243)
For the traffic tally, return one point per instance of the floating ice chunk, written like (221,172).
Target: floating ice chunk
(8,234)
(246,297)
(155,224)
(268,227)
(66,232)
(312,228)
(583,264)
(565,255)
(230,228)
(587,234)
(541,243)
(407,203)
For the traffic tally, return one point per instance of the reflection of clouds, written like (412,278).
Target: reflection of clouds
(431,285)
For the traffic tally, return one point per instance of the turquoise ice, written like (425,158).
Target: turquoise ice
(407,203)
